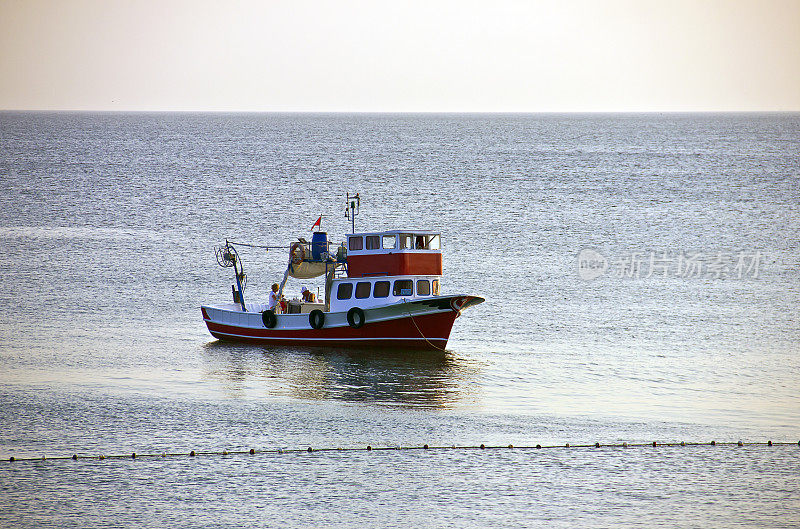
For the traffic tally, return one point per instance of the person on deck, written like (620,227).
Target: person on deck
(273,298)
(307,296)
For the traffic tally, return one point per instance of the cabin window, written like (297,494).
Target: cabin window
(362,289)
(420,243)
(344,291)
(356,243)
(389,242)
(435,287)
(434,242)
(405,241)
(403,287)
(373,242)
(423,287)
(381,289)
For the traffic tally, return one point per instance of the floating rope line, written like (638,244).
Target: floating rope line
(369,448)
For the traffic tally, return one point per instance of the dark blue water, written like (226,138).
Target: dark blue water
(689,331)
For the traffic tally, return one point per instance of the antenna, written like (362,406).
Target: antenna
(352,208)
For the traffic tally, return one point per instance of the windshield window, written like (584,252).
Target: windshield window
(381,289)
(362,289)
(345,291)
(423,287)
(403,287)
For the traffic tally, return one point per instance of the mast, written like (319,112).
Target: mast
(239,276)
(352,208)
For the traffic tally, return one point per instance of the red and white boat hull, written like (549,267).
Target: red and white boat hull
(420,323)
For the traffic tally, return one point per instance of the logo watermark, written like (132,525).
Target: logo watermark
(591,264)
(643,265)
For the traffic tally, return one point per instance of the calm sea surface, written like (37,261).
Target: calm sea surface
(642,283)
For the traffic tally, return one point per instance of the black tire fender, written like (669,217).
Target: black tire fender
(355,317)
(316,318)
(269,318)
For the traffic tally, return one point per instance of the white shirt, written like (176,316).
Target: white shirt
(273,300)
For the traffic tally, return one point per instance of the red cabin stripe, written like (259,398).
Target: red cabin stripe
(394,264)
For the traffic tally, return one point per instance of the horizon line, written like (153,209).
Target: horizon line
(243,111)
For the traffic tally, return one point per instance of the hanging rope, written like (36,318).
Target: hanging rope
(423,336)
(408,313)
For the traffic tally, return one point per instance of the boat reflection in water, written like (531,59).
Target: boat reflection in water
(390,377)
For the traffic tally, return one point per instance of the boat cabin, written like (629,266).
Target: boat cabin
(372,292)
(394,253)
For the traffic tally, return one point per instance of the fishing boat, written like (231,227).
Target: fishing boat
(380,289)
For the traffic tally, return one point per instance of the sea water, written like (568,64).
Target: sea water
(642,283)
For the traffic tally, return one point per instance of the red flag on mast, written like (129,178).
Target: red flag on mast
(318,223)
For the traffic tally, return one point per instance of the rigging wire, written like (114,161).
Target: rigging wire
(259,246)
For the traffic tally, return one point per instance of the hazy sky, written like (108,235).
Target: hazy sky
(429,55)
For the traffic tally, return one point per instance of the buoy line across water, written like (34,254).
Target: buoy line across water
(369,448)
